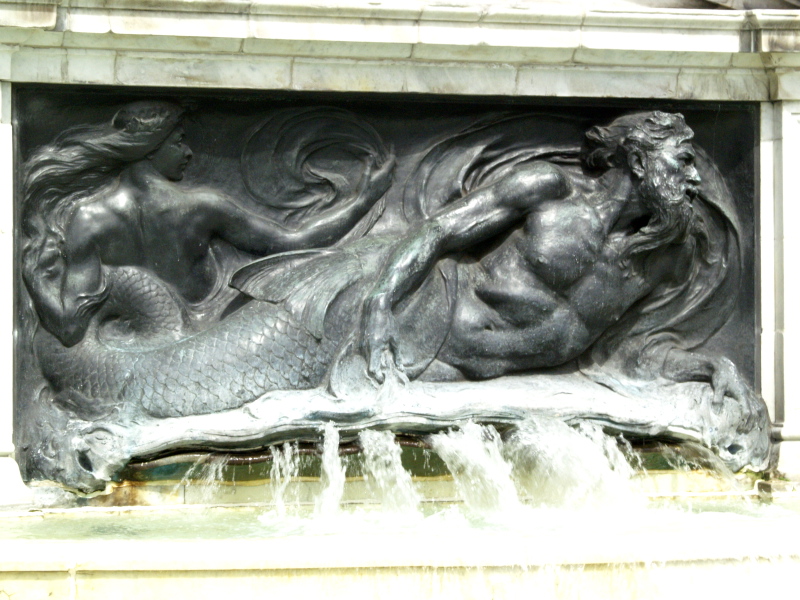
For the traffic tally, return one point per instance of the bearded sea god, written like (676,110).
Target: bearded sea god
(562,256)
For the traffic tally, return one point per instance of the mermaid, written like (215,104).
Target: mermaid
(112,195)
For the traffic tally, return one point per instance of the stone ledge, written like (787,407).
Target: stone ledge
(597,30)
(468,23)
(731,579)
(751,578)
(382,72)
(468,11)
(533,33)
(34,15)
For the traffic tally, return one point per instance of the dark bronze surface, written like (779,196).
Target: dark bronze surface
(184,257)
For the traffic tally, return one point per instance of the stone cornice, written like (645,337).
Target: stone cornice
(398,45)
(53,14)
(463,23)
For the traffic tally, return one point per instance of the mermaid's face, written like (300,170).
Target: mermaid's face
(172,156)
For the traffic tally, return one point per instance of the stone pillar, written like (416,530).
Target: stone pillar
(770,372)
(780,247)
(12,490)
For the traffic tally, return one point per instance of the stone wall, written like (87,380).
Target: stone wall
(532,49)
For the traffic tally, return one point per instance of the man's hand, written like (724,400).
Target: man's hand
(379,337)
(726,381)
(721,373)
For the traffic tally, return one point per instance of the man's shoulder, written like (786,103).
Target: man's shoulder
(537,181)
(539,169)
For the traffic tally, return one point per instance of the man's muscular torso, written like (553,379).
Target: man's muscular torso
(545,293)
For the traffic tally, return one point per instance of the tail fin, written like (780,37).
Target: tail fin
(306,282)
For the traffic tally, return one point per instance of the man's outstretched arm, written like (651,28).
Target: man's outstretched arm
(478,216)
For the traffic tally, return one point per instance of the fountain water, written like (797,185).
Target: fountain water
(389,481)
(562,502)
(473,455)
(558,465)
(333,474)
(204,473)
(543,469)
(285,467)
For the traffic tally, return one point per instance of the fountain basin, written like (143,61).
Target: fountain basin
(736,548)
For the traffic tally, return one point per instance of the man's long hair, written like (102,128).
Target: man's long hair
(609,147)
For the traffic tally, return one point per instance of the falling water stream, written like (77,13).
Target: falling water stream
(285,467)
(541,504)
(541,474)
(543,509)
(540,478)
(389,482)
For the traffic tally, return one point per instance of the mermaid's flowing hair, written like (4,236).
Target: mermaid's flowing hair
(80,164)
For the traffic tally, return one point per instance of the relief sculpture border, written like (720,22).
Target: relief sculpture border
(223,272)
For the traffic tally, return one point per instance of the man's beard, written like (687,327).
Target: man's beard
(671,215)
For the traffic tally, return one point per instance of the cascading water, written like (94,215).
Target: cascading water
(556,465)
(691,456)
(332,476)
(542,505)
(474,456)
(285,467)
(389,481)
(542,463)
(205,473)
(540,493)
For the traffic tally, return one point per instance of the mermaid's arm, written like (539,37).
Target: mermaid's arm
(67,287)
(259,234)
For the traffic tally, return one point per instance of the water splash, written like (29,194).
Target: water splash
(206,473)
(285,467)
(690,456)
(556,465)
(542,470)
(188,476)
(332,476)
(633,458)
(474,456)
(542,477)
(384,471)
